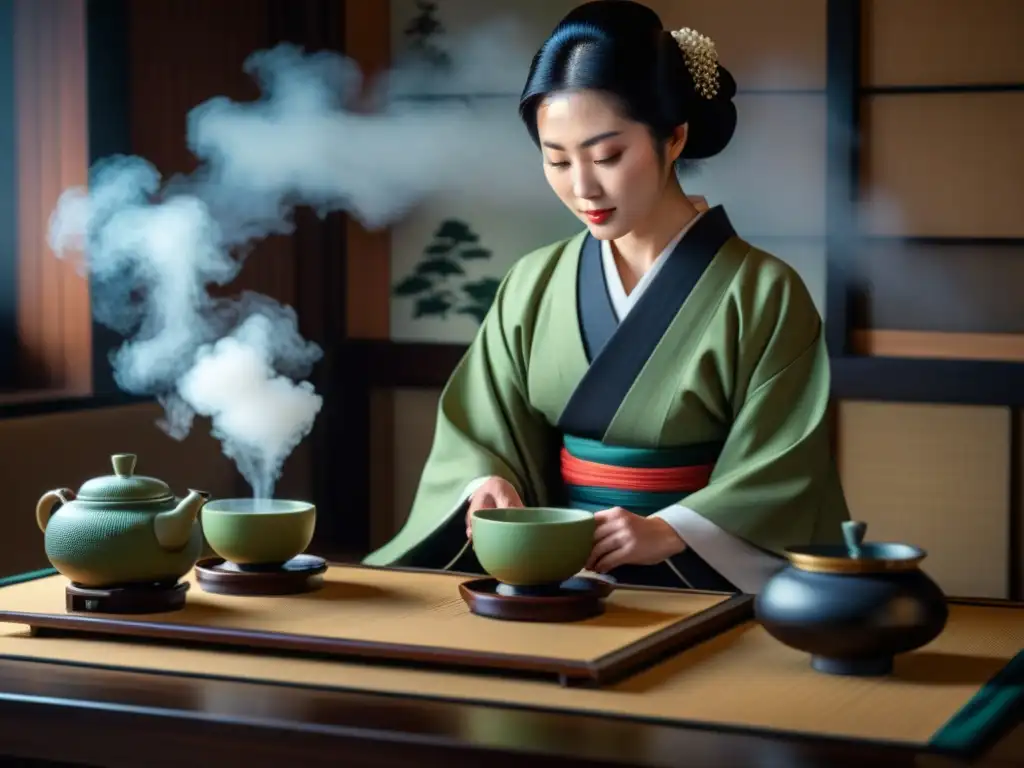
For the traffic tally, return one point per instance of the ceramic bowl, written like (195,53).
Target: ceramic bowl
(249,532)
(853,608)
(533,547)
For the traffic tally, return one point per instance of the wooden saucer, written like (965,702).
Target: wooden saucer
(145,598)
(573,600)
(303,573)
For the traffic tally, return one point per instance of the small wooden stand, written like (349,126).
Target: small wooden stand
(303,573)
(573,600)
(156,598)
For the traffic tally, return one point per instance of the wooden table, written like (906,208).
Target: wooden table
(155,714)
(110,718)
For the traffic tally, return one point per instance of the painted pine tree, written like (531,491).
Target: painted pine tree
(421,32)
(439,283)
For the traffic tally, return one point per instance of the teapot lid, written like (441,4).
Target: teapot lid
(124,484)
(854,556)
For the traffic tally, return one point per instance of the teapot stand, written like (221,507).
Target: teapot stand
(577,599)
(143,598)
(303,573)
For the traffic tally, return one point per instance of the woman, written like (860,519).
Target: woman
(656,368)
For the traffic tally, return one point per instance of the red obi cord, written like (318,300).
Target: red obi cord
(579,472)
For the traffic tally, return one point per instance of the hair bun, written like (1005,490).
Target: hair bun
(704,90)
(712,122)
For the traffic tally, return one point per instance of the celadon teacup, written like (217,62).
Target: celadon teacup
(533,546)
(258,531)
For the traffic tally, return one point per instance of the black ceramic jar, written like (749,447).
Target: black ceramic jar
(853,608)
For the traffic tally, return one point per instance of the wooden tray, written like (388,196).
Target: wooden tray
(374,614)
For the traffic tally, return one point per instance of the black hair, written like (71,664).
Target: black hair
(621,48)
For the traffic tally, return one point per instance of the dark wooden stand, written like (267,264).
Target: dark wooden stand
(158,598)
(574,600)
(303,573)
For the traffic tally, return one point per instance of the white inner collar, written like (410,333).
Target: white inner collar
(621,301)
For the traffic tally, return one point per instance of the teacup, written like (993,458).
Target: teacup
(533,547)
(258,532)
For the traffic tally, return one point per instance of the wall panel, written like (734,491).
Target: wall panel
(402,430)
(53,310)
(969,288)
(941,192)
(772,45)
(942,42)
(384,484)
(944,165)
(937,477)
(772,176)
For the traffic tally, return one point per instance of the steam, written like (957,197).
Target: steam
(153,248)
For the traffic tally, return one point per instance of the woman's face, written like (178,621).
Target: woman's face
(603,166)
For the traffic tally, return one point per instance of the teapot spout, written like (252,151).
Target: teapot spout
(173,528)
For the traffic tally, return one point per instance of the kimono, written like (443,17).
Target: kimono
(704,402)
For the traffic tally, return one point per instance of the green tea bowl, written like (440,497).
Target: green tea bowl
(258,532)
(532,547)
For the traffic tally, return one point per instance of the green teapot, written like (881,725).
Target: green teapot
(121,529)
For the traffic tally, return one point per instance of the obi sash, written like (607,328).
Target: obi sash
(597,476)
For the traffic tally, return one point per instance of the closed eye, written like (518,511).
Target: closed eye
(609,160)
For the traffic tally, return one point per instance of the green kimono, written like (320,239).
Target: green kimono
(721,363)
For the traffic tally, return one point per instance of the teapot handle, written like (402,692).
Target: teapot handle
(49,502)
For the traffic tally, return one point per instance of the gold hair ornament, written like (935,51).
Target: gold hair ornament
(701,59)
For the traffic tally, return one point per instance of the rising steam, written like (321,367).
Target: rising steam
(153,247)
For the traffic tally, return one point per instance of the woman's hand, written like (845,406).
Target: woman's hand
(495,493)
(624,538)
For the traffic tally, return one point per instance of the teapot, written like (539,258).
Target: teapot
(121,530)
(853,606)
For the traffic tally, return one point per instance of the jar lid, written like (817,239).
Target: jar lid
(854,556)
(124,485)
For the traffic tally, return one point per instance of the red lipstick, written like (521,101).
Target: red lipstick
(599,216)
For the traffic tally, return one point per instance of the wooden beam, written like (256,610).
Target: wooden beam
(936,345)
(368,268)
(54,319)
(1015,532)
(366,425)
(842,95)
